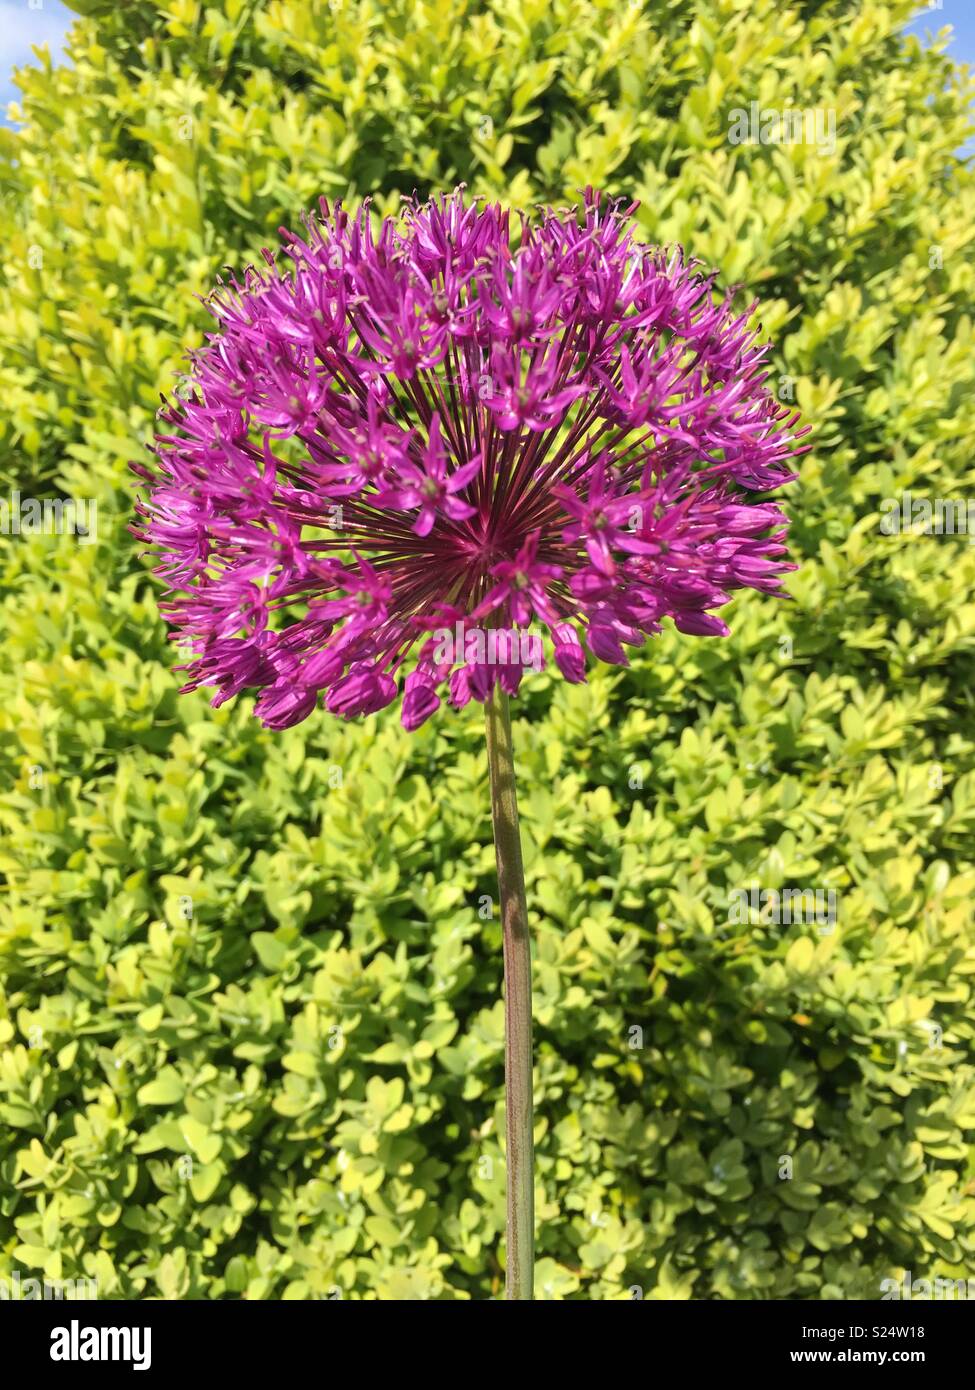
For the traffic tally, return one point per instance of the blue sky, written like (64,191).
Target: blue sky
(27,22)
(20,28)
(960,14)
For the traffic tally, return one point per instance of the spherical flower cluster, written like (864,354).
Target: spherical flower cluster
(435,426)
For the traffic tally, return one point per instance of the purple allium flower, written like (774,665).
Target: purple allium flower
(422,424)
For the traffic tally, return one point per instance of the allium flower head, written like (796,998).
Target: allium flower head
(435,426)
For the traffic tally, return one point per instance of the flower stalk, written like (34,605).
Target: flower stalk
(519,1110)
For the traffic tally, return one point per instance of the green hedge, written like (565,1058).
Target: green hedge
(250,1030)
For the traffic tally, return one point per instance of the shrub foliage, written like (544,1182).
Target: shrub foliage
(250,1030)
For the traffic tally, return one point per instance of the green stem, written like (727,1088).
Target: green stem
(519,1122)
